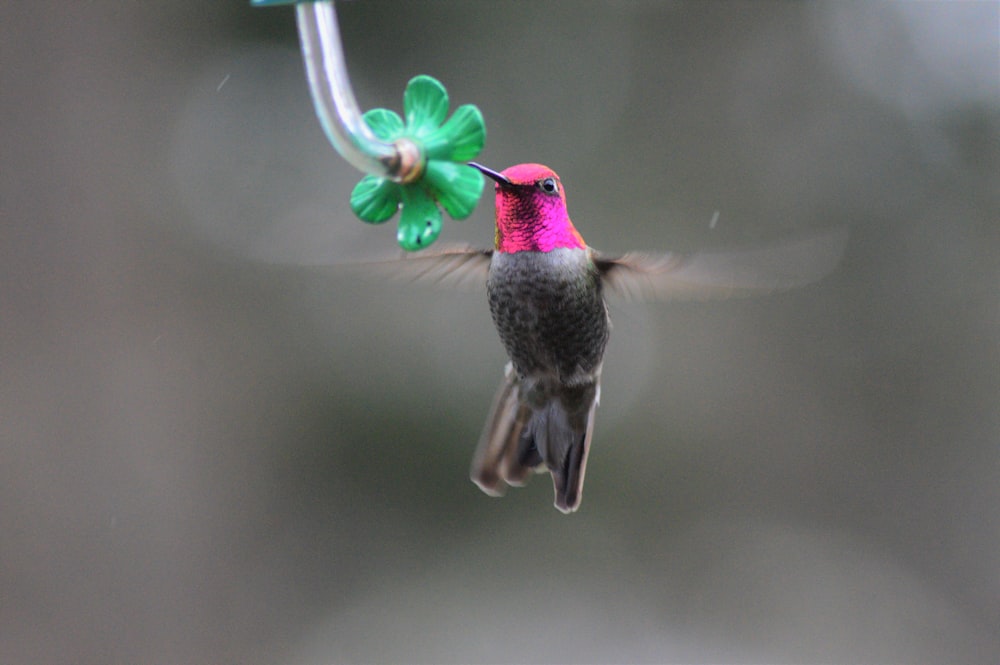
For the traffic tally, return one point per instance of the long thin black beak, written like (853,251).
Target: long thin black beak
(492,174)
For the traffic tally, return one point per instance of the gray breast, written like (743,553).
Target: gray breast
(549,311)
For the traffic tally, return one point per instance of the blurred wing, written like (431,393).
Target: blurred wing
(785,265)
(456,266)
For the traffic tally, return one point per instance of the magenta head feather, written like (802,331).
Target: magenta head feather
(531,210)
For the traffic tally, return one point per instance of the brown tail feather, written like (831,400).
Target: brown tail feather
(568,476)
(500,436)
(518,440)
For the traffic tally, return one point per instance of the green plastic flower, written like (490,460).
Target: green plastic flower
(445,181)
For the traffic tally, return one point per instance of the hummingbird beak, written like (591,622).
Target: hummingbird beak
(501,179)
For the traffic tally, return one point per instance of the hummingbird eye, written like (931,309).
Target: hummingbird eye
(548,185)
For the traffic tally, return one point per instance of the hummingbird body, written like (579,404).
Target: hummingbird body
(548,308)
(547,303)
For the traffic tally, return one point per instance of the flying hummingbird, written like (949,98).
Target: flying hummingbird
(546,296)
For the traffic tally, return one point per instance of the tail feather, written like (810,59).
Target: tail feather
(522,457)
(567,451)
(518,440)
(507,419)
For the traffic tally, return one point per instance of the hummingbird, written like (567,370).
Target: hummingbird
(546,289)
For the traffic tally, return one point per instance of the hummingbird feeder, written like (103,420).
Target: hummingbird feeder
(418,164)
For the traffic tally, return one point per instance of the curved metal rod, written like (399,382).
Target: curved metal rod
(333,97)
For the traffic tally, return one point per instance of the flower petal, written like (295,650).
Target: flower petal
(425,104)
(456,187)
(460,139)
(375,199)
(385,124)
(420,223)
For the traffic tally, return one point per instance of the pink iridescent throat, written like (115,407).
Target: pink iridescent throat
(533,222)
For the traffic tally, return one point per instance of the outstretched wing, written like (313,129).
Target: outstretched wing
(456,266)
(666,276)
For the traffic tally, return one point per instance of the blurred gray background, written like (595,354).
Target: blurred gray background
(214,451)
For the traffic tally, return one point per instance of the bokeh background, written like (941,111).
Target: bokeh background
(215,449)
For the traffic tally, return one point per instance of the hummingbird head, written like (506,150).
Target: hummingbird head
(531,210)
